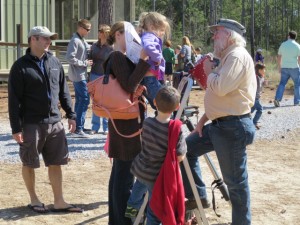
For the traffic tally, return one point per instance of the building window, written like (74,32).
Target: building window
(66,16)
(68,12)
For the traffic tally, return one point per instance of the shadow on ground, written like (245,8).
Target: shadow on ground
(20,212)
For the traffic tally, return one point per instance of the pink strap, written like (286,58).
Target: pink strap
(114,125)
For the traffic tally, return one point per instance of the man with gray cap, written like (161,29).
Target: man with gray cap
(36,86)
(229,96)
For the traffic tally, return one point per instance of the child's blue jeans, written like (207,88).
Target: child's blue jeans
(151,218)
(136,198)
(259,109)
(153,86)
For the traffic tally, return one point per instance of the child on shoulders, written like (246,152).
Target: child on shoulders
(153,26)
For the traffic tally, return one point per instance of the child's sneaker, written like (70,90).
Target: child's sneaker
(131,212)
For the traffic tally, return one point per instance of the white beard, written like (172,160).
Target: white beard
(219,47)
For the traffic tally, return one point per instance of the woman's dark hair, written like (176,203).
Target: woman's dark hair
(118,26)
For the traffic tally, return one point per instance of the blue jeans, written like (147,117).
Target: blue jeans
(120,183)
(82,101)
(229,139)
(259,109)
(96,120)
(286,74)
(136,198)
(153,86)
(151,218)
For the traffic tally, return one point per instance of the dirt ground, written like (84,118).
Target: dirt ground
(274,174)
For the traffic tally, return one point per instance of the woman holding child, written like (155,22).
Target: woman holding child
(123,150)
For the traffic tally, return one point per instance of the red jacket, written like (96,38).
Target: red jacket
(167,201)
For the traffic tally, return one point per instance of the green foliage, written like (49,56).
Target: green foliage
(272,19)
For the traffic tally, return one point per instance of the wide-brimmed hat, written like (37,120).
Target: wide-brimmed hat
(42,31)
(229,24)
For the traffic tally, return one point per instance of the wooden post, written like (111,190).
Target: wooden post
(19,39)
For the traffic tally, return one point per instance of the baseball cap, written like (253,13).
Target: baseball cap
(42,31)
(229,24)
(259,50)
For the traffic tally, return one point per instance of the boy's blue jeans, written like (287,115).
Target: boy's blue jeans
(82,101)
(153,86)
(136,198)
(286,74)
(96,120)
(259,109)
(229,139)
(151,218)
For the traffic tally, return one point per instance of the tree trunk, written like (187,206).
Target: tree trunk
(282,19)
(105,12)
(260,25)
(243,13)
(252,29)
(211,12)
(183,17)
(267,13)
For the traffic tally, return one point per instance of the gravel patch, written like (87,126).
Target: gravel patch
(276,123)
(83,148)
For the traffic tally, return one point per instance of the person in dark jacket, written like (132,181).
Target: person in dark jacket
(36,86)
(100,50)
(259,58)
(121,149)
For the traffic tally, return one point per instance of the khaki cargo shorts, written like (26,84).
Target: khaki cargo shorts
(46,139)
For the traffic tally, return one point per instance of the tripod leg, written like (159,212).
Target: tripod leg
(220,184)
(142,210)
(201,216)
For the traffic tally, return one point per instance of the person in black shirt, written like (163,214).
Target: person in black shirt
(36,86)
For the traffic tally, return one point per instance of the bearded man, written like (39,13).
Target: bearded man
(229,96)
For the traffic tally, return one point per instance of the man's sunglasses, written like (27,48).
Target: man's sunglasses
(86,29)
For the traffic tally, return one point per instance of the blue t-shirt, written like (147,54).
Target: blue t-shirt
(289,51)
